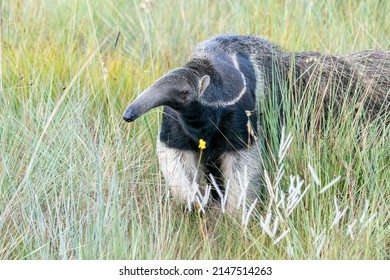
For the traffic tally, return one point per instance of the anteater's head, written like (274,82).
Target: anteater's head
(178,89)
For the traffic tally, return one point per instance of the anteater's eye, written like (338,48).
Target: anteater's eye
(184,92)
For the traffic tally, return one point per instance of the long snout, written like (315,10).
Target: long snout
(151,98)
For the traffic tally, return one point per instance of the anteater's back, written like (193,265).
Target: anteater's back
(252,46)
(364,76)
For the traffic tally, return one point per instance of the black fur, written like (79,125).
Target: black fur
(223,128)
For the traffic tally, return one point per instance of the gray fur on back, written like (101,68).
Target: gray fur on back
(256,47)
(335,76)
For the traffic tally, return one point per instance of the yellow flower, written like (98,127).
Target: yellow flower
(202,144)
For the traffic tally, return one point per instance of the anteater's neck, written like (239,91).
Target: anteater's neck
(200,122)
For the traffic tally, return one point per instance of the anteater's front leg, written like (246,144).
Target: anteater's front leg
(179,168)
(236,167)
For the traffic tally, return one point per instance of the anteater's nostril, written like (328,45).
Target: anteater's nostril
(129,116)
(126,118)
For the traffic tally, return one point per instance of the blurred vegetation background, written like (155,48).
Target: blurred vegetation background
(78,183)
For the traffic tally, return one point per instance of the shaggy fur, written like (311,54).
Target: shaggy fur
(215,97)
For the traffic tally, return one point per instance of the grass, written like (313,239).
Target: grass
(76,182)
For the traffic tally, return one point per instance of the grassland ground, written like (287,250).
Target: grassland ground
(76,182)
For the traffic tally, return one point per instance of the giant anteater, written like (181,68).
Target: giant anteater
(215,97)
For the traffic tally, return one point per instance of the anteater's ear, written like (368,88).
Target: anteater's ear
(203,84)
